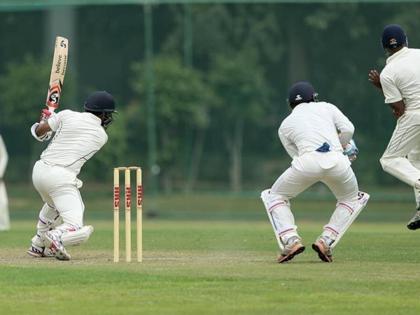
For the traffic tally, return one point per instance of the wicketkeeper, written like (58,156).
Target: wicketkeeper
(314,135)
(77,136)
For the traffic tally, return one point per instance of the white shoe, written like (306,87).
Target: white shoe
(36,251)
(53,243)
(323,249)
(292,248)
(39,251)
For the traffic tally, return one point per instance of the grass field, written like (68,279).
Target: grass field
(215,254)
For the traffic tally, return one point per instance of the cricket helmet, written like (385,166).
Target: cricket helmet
(393,36)
(301,92)
(100,102)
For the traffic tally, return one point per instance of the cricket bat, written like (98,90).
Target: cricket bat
(58,70)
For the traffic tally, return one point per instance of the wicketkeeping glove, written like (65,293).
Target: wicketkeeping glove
(351,150)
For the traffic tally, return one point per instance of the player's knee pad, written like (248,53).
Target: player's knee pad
(355,204)
(350,209)
(272,200)
(77,237)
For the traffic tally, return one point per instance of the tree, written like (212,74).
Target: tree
(239,84)
(182,101)
(23,90)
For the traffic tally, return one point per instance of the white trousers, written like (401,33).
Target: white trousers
(63,206)
(402,156)
(4,208)
(331,168)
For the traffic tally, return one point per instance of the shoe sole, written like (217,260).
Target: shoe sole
(321,254)
(297,251)
(33,254)
(413,225)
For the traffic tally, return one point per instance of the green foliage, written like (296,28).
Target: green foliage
(239,83)
(23,88)
(182,101)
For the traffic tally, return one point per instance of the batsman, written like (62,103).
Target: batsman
(76,137)
(318,137)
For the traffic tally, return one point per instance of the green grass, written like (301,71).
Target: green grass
(215,254)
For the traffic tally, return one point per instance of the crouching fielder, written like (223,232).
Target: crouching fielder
(314,135)
(78,136)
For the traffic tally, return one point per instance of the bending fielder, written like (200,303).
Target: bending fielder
(78,136)
(314,135)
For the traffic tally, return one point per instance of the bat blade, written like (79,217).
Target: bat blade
(58,71)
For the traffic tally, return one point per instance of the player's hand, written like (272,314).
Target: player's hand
(398,109)
(45,114)
(374,78)
(351,150)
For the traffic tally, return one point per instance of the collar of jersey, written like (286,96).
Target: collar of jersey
(96,118)
(402,51)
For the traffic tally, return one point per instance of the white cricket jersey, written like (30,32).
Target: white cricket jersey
(400,79)
(310,125)
(78,136)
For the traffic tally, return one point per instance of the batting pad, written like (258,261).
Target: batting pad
(358,206)
(73,238)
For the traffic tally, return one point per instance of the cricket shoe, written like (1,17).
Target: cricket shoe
(53,242)
(292,248)
(39,252)
(414,223)
(323,249)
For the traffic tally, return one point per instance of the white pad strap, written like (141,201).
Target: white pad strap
(73,238)
(355,208)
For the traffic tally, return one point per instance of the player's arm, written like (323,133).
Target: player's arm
(288,145)
(42,128)
(42,131)
(343,125)
(392,95)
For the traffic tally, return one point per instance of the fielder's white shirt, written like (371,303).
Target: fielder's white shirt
(78,136)
(312,124)
(400,79)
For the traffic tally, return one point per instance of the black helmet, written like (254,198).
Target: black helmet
(301,92)
(100,102)
(393,36)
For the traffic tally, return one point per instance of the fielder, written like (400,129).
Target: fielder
(77,137)
(314,135)
(400,84)
(4,208)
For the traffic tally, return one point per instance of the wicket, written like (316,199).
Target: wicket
(127,207)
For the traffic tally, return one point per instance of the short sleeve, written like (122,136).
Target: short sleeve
(55,120)
(288,145)
(391,92)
